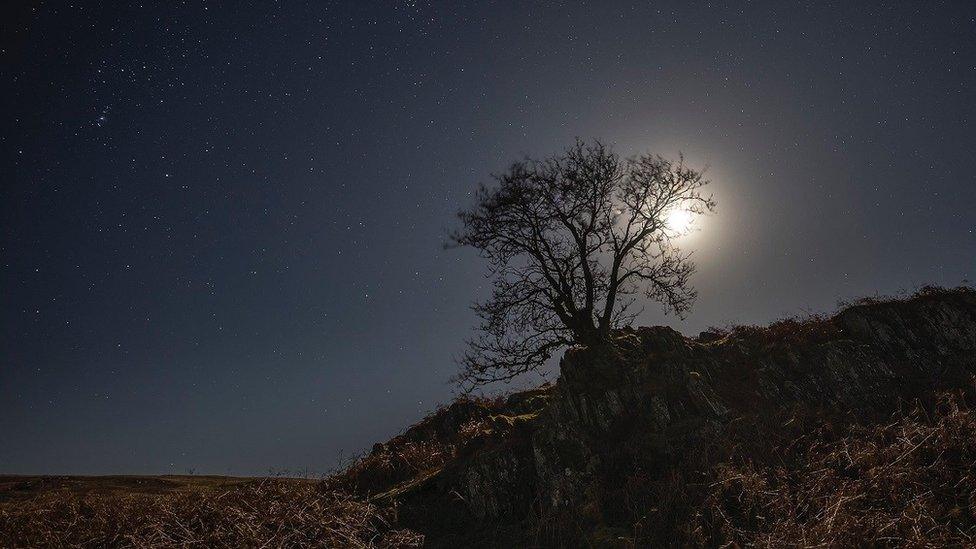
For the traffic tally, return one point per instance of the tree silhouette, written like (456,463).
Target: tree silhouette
(570,241)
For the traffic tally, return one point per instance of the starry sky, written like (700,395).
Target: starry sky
(222,225)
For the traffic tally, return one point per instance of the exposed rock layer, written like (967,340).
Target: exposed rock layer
(657,401)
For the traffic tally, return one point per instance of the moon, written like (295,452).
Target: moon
(679,221)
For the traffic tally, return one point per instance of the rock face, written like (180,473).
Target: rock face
(609,440)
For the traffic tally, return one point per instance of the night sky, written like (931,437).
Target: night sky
(223,226)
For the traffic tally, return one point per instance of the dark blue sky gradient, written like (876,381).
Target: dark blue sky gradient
(222,225)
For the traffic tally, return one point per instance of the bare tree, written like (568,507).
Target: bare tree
(571,240)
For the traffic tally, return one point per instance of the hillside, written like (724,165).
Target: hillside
(835,430)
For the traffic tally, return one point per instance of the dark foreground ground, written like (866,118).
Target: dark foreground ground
(855,429)
(20,488)
(189,511)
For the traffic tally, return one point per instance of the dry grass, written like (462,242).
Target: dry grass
(791,477)
(16,488)
(907,483)
(815,328)
(425,447)
(142,512)
(910,482)
(267,513)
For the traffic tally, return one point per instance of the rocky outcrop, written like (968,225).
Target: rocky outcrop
(656,403)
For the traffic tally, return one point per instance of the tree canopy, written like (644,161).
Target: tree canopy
(571,241)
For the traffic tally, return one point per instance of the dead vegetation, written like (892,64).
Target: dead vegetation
(154,512)
(818,327)
(423,448)
(906,483)
(268,513)
(793,476)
